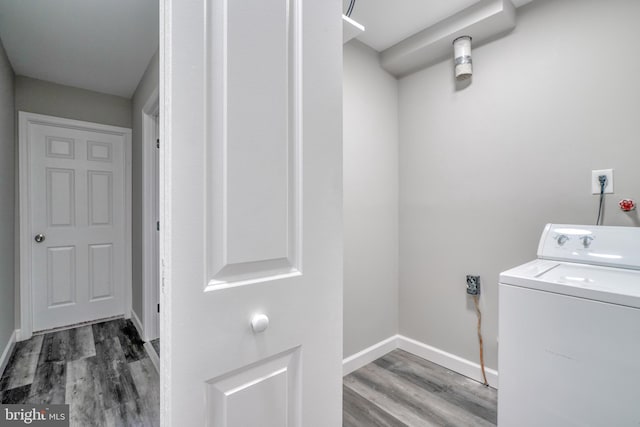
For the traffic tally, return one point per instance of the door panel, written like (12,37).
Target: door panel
(257,68)
(259,229)
(270,388)
(253,64)
(100,271)
(62,148)
(76,200)
(99,151)
(61,203)
(61,276)
(100,198)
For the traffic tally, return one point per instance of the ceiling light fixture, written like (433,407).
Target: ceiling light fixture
(462,58)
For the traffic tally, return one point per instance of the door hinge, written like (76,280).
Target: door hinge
(162,276)
(158,143)
(158,225)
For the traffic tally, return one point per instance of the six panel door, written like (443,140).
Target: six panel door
(77,211)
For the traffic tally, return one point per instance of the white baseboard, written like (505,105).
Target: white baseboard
(450,361)
(6,353)
(368,355)
(440,357)
(137,323)
(155,359)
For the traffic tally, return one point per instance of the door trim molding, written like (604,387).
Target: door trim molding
(137,323)
(24,224)
(150,329)
(8,350)
(165,128)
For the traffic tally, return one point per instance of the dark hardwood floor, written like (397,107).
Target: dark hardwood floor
(105,375)
(102,371)
(401,389)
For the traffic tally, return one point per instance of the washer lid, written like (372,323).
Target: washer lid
(607,284)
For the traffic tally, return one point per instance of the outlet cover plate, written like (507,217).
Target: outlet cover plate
(473,285)
(595,184)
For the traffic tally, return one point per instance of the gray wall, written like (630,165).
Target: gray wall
(38,96)
(482,169)
(370,200)
(7,198)
(147,85)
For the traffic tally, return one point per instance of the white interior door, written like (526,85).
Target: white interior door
(76,208)
(251,212)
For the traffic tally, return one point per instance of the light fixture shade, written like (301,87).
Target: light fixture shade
(462,57)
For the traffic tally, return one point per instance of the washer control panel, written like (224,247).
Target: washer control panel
(562,239)
(591,244)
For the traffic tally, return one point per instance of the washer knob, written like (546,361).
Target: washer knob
(586,241)
(562,239)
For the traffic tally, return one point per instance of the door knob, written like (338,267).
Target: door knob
(39,238)
(259,323)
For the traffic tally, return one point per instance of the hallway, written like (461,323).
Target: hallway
(101,370)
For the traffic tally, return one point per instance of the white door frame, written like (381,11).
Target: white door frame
(25,232)
(164,172)
(150,278)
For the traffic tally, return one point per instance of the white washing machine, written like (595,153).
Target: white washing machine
(569,331)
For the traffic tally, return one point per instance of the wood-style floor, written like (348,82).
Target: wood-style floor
(102,371)
(105,375)
(401,389)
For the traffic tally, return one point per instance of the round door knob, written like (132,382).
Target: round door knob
(39,238)
(259,323)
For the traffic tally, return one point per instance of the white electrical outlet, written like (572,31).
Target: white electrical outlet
(595,183)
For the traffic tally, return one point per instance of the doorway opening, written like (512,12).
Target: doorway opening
(83,74)
(151,225)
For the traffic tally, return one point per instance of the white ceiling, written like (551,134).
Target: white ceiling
(388,22)
(105,45)
(100,45)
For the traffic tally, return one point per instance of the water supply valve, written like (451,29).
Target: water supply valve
(627,205)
